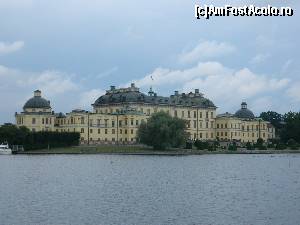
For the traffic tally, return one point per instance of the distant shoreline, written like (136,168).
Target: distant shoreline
(138,150)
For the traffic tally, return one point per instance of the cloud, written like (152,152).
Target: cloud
(6,48)
(107,72)
(51,82)
(89,97)
(260,58)
(16,87)
(227,87)
(286,66)
(294,92)
(206,50)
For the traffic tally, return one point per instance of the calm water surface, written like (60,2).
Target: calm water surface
(112,189)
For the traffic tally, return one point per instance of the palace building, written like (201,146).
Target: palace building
(116,116)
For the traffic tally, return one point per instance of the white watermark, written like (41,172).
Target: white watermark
(207,11)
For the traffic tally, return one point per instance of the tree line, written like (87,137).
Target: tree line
(287,125)
(37,140)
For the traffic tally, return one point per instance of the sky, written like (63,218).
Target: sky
(74,50)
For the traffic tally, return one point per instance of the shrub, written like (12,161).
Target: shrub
(280,146)
(232,147)
(249,146)
(292,144)
(201,145)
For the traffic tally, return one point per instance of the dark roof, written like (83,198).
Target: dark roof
(136,96)
(37,102)
(244,113)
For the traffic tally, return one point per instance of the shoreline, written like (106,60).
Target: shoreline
(135,150)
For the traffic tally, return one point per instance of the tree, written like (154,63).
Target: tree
(37,140)
(201,145)
(274,118)
(163,131)
(291,129)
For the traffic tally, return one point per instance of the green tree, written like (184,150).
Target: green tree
(274,118)
(163,131)
(291,129)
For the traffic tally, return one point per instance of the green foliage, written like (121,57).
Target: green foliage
(292,144)
(201,145)
(249,146)
(189,145)
(274,118)
(232,147)
(280,146)
(262,147)
(163,131)
(259,142)
(291,129)
(270,145)
(37,140)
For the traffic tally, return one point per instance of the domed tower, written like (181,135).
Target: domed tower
(37,103)
(244,113)
(37,114)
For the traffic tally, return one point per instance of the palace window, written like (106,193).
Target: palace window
(105,131)
(200,114)
(91,131)
(137,122)
(195,123)
(98,131)
(131,122)
(113,131)
(195,114)
(212,114)
(131,131)
(33,120)
(189,114)
(113,123)
(206,114)
(82,130)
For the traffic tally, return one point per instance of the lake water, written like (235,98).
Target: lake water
(128,189)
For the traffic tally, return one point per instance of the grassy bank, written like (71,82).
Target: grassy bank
(141,150)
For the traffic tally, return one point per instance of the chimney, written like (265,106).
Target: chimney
(37,93)
(197,91)
(176,93)
(132,85)
(112,88)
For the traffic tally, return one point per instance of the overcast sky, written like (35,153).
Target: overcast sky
(74,50)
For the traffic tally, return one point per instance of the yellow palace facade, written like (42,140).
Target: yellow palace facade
(116,116)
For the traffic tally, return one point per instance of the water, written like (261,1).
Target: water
(112,189)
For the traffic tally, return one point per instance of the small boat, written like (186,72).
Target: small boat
(4,149)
